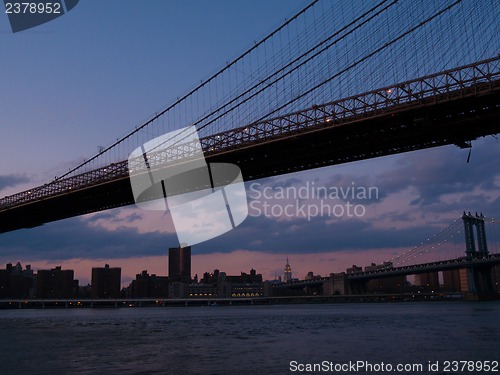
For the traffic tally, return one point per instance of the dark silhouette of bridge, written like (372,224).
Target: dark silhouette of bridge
(477,262)
(453,106)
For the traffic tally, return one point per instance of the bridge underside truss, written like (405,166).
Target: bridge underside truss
(451,107)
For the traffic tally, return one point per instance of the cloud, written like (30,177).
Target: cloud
(420,194)
(78,238)
(74,238)
(442,171)
(12,180)
(133,218)
(318,235)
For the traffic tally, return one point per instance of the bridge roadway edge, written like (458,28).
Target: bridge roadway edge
(453,122)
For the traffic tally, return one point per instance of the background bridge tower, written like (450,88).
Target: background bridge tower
(472,249)
(477,277)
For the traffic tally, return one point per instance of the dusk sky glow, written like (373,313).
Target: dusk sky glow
(85,79)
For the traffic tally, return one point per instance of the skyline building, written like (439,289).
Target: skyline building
(429,280)
(16,282)
(287,276)
(451,281)
(106,282)
(179,264)
(149,286)
(55,283)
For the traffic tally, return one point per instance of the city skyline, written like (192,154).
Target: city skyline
(59,283)
(91,99)
(249,187)
(126,281)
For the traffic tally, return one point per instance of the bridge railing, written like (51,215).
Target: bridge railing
(444,264)
(468,80)
(66,185)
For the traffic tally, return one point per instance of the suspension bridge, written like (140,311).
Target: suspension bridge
(465,251)
(335,83)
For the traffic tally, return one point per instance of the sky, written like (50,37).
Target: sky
(87,78)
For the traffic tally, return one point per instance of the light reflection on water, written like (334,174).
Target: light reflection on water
(243,339)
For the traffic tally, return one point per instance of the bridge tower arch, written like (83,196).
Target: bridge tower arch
(474,230)
(479,279)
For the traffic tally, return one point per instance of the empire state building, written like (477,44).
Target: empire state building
(287,277)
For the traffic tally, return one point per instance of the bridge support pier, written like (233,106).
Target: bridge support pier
(479,278)
(479,282)
(357,287)
(336,285)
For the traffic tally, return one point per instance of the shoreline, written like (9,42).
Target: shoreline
(246,301)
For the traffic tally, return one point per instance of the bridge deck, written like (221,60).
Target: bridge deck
(450,107)
(452,264)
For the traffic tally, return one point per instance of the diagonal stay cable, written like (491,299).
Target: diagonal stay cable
(204,83)
(180,100)
(270,84)
(366,57)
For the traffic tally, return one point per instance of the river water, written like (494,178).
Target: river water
(274,339)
